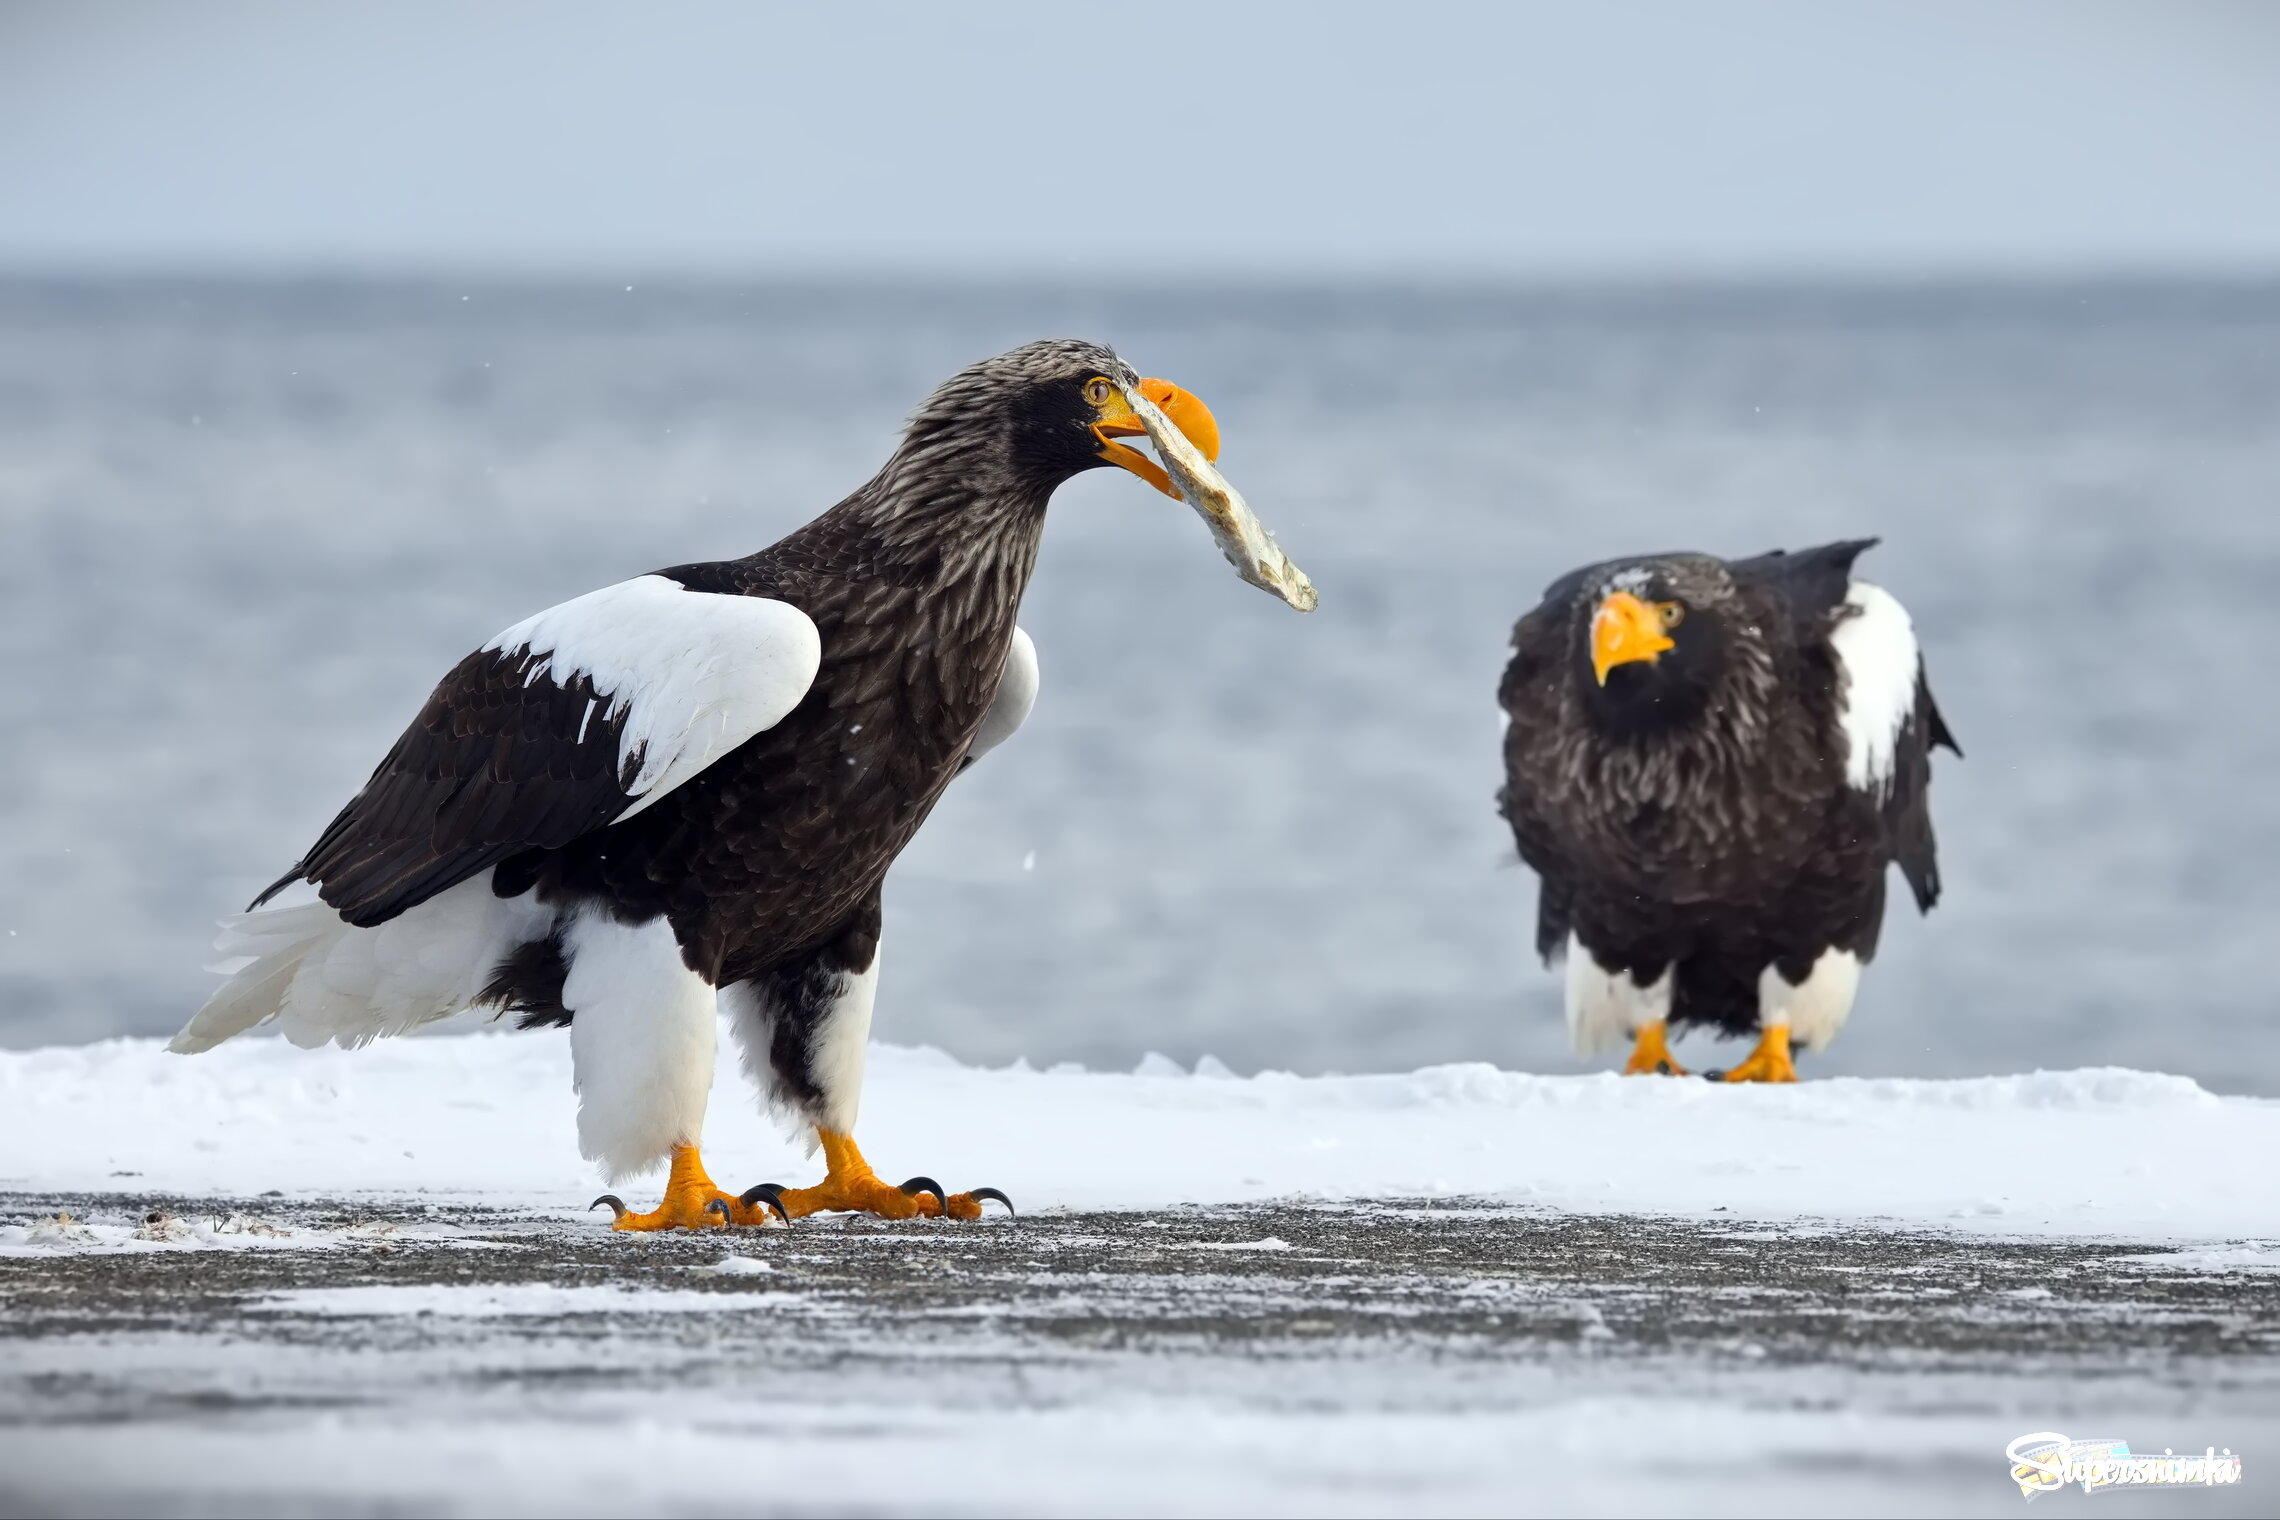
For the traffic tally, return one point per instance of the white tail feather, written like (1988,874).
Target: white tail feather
(325,980)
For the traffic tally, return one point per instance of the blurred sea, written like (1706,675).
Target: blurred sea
(247,525)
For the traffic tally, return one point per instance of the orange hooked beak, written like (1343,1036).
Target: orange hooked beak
(1623,630)
(1190,416)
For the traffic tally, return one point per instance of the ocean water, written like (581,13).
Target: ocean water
(246,526)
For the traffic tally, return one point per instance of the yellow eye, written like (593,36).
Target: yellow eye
(1097,391)
(1672,613)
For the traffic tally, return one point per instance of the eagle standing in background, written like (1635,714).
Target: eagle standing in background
(1710,765)
(679,795)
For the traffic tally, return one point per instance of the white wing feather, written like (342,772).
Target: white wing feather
(692,673)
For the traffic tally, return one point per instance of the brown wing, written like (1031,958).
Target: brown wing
(499,761)
(1529,698)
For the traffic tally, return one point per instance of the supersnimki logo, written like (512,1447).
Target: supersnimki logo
(2046,1461)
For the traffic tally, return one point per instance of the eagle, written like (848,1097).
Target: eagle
(1710,764)
(676,797)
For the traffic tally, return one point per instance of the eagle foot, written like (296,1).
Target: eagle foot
(1769,1062)
(850,1186)
(1650,1056)
(692,1202)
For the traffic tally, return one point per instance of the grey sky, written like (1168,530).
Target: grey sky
(1157,137)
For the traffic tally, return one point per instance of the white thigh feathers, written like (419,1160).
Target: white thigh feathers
(1606,1008)
(1816,1008)
(838,1044)
(641,1041)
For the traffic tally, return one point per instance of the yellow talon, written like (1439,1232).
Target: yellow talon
(1651,1055)
(849,1185)
(1770,1061)
(691,1201)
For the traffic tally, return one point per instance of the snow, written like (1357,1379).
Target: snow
(489,1117)
(493,1301)
(208,1232)
(702,1453)
(2214,1259)
(740,1266)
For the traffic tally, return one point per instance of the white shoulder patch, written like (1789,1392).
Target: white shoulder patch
(1876,645)
(692,673)
(1016,695)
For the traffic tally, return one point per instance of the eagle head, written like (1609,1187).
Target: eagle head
(1004,433)
(1657,641)
(1055,408)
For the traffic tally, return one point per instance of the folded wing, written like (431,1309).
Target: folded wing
(565,723)
(1884,708)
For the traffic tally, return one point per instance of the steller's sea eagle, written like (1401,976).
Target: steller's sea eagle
(679,794)
(1710,764)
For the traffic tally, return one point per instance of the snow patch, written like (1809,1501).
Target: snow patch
(509,1300)
(2240,1258)
(1266,1243)
(489,1118)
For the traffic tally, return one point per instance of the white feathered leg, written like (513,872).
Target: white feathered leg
(805,1033)
(838,1043)
(1810,1012)
(641,1042)
(1816,1008)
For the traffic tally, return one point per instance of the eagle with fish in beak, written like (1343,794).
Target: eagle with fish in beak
(677,796)
(1712,766)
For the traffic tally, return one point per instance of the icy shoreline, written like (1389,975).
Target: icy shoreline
(488,1117)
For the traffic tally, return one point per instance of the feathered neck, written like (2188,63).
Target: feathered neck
(1677,765)
(949,503)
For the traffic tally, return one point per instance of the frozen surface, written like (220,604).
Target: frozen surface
(488,1117)
(247,527)
(1279,1359)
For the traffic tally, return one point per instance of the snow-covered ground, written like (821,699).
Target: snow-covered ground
(278,1280)
(488,1117)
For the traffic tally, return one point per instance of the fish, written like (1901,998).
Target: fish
(1249,547)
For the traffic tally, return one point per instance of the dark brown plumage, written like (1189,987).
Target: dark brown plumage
(713,765)
(1726,804)
(912,582)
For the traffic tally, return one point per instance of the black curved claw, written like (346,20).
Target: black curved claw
(770,1193)
(979,1194)
(918,1186)
(617,1206)
(720,1206)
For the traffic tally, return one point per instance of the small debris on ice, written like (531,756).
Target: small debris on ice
(58,1230)
(249,1224)
(162,1226)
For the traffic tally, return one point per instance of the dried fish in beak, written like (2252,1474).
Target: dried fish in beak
(1249,547)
